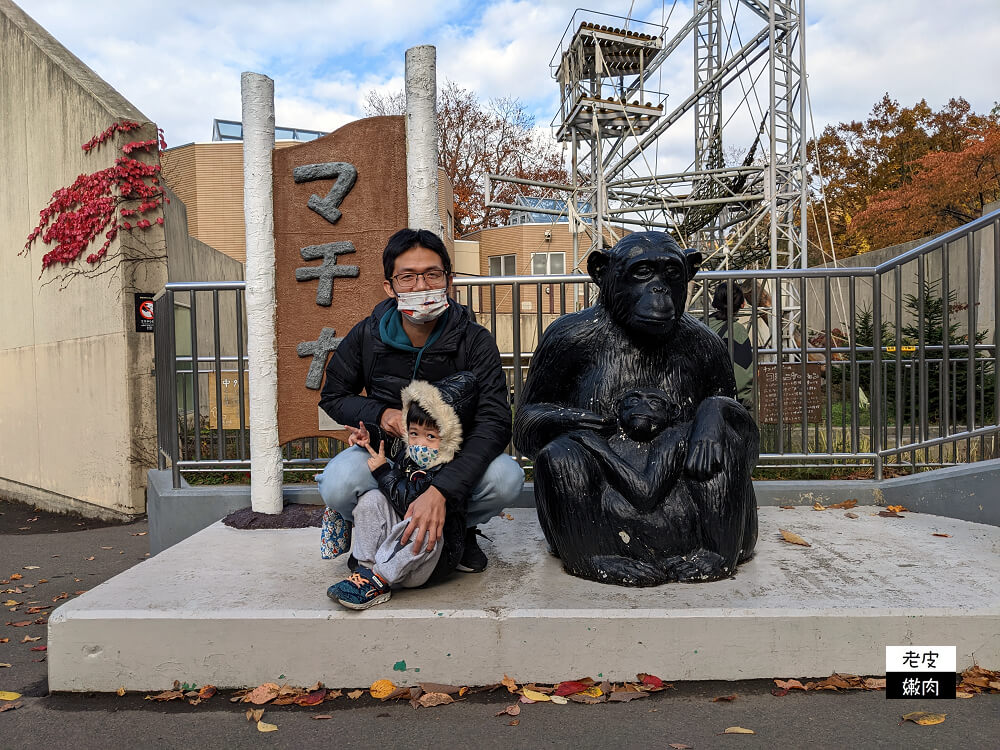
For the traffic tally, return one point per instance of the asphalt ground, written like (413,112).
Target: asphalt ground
(73,554)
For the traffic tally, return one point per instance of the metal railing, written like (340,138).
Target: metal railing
(884,368)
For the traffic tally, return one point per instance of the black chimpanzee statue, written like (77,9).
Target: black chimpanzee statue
(643,457)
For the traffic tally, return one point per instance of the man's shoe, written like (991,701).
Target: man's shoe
(360,590)
(473,559)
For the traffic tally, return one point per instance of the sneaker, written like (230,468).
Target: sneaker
(334,535)
(360,590)
(473,559)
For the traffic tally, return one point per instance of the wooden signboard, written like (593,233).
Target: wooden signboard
(337,200)
(791,393)
(230,400)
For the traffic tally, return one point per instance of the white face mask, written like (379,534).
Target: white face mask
(422,307)
(421,455)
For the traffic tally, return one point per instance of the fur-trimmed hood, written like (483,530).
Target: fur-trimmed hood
(450,402)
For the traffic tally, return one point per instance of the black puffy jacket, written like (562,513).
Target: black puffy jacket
(364,362)
(449,403)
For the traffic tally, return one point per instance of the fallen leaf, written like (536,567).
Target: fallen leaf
(818,506)
(121,690)
(874,683)
(141,533)
(263,726)
(11,603)
(107,547)
(21,624)
(512,710)
(331,694)
(39,648)
(652,682)
(89,558)
(897,509)
(679,746)
(16,576)
(850,515)
(963,694)
(944,535)
(262,694)
(787,507)
(10,706)
(509,683)
(924,718)
(846,505)
(559,700)
(43,580)
(322,716)
(31,567)
(8,696)
(625,696)
(434,699)
(381,689)
(534,695)
(889,514)
(588,699)
(254,714)
(3,664)
(355,694)
(570,687)
(546,689)
(724,698)
(313,698)
(436,687)
(738,730)
(513,722)
(31,639)
(36,610)
(789,684)
(593,691)
(206,692)
(167,695)
(4,640)
(793,538)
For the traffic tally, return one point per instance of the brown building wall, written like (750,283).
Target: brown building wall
(208,177)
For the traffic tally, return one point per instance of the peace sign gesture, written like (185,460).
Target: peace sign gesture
(377,459)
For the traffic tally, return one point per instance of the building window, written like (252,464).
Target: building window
(543,264)
(503,265)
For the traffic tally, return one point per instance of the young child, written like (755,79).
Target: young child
(433,415)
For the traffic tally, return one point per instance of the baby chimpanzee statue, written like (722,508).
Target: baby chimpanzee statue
(643,456)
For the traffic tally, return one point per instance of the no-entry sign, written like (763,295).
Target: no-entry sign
(144,313)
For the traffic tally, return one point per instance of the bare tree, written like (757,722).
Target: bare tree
(476,139)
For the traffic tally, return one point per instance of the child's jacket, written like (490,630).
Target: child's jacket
(450,402)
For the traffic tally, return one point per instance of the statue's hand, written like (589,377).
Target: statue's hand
(704,455)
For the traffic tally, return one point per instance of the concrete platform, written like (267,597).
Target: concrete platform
(237,608)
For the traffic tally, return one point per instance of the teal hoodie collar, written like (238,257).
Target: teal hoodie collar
(391,331)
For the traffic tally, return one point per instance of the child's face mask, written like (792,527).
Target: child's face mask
(424,306)
(421,455)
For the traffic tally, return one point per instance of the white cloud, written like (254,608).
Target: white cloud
(179,61)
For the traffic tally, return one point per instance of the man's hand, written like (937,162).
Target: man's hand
(392,422)
(426,516)
(358,436)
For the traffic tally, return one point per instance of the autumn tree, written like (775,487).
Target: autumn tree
(477,138)
(947,189)
(860,160)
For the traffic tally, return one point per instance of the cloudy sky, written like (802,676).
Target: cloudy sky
(179,61)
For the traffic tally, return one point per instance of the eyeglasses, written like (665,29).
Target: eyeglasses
(433,278)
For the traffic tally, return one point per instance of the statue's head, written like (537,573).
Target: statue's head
(643,282)
(643,413)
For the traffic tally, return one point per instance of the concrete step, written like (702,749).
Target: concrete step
(238,608)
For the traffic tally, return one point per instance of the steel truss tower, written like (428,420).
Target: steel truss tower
(741,208)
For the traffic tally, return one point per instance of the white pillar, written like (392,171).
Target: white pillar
(262,350)
(421,139)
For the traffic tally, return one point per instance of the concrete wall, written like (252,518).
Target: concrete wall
(979,294)
(77,424)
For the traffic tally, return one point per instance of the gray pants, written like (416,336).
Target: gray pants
(346,478)
(377,530)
